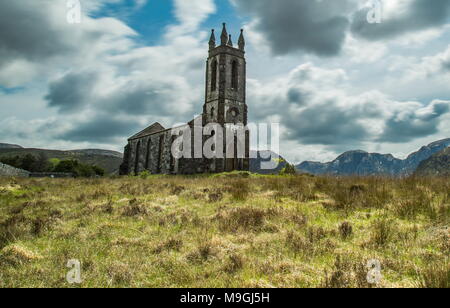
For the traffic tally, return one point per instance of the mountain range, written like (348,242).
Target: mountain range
(433,159)
(437,165)
(106,159)
(363,163)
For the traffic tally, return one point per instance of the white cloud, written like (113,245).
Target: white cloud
(190,14)
(96,76)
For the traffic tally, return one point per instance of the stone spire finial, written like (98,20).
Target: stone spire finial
(241,42)
(230,42)
(224,36)
(212,40)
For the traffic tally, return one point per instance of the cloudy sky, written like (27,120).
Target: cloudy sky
(333,80)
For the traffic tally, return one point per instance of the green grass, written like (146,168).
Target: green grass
(228,230)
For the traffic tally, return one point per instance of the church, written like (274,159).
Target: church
(225,107)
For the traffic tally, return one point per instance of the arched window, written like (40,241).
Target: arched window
(137,156)
(213,76)
(212,112)
(160,154)
(234,75)
(147,155)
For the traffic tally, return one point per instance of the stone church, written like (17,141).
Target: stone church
(225,105)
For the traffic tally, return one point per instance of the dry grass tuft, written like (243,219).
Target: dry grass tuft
(234,264)
(239,189)
(134,209)
(119,273)
(435,275)
(383,232)
(345,230)
(241,219)
(17,255)
(169,245)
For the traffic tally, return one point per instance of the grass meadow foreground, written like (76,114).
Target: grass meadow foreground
(232,230)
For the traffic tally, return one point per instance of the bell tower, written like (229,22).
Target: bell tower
(226,81)
(225,95)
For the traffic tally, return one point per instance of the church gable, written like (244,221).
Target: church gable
(154,128)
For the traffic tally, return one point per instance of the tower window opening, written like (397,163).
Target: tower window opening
(213,76)
(234,75)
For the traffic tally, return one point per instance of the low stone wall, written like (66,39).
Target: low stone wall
(6,170)
(56,175)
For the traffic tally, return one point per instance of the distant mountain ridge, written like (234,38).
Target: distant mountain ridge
(98,152)
(437,165)
(106,159)
(363,163)
(9,146)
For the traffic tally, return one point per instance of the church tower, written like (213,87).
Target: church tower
(225,98)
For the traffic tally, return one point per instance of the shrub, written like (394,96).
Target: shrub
(298,243)
(170,244)
(288,170)
(382,231)
(145,174)
(435,276)
(29,162)
(78,169)
(234,263)
(239,190)
(346,230)
(243,218)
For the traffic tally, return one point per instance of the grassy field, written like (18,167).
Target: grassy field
(231,230)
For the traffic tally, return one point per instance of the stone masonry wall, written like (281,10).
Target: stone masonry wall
(6,170)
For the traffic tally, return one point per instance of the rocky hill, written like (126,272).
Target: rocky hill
(437,165)
(363,163)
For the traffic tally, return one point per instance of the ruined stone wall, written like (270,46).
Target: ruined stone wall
(6,170)
(152,153)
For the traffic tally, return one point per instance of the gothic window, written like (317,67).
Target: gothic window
(160,152)
(172,158)
(136,159)
(212,112)
(213,76)
(147,156)
(234,75)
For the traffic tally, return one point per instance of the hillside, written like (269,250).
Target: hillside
(9,146)
(437,165)
(215,232)
(363,163)
(108,160)
(266,162)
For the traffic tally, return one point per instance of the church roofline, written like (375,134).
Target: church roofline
(227,50)
(149,129)
(138,136)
